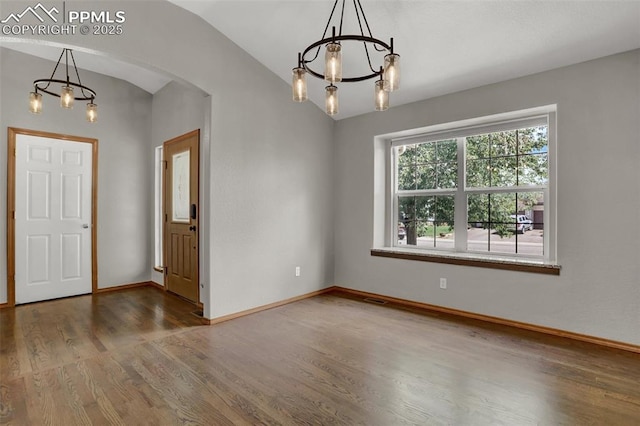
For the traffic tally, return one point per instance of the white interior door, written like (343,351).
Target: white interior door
(52,218)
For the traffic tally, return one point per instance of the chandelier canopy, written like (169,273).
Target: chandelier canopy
(66,91)
(388,74)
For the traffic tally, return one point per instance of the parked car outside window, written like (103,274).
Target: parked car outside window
(523,223)
(402,232)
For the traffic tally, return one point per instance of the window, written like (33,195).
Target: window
(158,207)
(481,188)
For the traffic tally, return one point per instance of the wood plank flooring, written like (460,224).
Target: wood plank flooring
(139,357)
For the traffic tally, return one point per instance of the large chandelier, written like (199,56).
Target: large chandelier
(66,93)
(388,74)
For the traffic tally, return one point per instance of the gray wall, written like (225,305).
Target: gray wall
(598,290)
(178,109)
(270,164)
(123,131)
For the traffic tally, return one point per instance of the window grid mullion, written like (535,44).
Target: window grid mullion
(517,159)
(425,192)
(460,203)
(505,189)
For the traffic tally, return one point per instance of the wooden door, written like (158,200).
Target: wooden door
(181,242)
(53,217)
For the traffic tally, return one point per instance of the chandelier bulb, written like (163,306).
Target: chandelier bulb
(92,112)
(333,61)
(391,72)
(299,81)
(381,96)
(66,97)
(331,99)
(35,102)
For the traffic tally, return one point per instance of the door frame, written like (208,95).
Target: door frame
(12,133)
(165,213)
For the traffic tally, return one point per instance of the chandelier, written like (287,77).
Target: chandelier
(66,93)
(388,74)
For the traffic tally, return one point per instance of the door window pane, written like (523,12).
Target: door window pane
(180,187)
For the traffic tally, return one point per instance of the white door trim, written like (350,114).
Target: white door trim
(11,198)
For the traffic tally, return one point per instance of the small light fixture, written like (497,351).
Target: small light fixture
(92,112)
(331,99)
(389,72)
(381,96)
(66,94)
(299,83)
(333,61)
(35,102)
(66,97)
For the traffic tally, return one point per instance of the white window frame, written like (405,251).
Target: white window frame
(460,130)
(158,223)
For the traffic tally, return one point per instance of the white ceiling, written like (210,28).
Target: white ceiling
(445,46)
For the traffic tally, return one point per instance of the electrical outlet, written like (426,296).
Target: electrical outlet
(443,283)
(297,271)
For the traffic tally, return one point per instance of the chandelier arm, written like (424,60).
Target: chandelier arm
(379,50)
(366,49)
(66,62)
(359,38)
(326,27)
(78,75)
(366,22)
(71,83)
(341,17)
(357,5)
(52,74)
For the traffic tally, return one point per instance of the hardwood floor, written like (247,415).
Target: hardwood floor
(139,357)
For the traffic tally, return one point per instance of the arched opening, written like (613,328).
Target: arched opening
(139,109)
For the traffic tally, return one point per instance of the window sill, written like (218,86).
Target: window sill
(509,264)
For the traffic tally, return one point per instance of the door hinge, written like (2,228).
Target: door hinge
(166,270)
(165,163)
(166,217)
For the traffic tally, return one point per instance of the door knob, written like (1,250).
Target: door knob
(192,228)
(85,225)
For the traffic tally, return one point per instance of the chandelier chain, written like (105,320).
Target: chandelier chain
(341,17)
(356,3)
(78,75)
(52,74)
(66,62)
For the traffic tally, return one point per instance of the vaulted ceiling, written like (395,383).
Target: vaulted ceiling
(446,46)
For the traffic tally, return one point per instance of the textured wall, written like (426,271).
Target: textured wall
(598,290)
